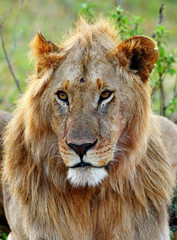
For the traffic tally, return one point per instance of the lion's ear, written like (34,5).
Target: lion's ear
(138,53)
(44,52)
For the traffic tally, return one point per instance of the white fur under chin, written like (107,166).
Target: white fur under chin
(86,176)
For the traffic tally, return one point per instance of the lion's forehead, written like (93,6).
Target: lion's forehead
(88,66)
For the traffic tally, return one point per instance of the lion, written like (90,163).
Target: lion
(83,154)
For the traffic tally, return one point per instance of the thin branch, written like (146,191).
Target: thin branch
(175,86)
(171,102)
(174,94)
(4,16)
(157,85)
(8,61)
(117,2)
(15,44)
(16,40)
(16,20)
(162,97)
(161,13)
(155,88)
(162,6)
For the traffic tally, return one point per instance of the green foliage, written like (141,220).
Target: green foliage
(87,9)
(3,236)
(127,24)
(121,19)
(165,66)
(171,235)
(175,202)
(172,107)
(174,211)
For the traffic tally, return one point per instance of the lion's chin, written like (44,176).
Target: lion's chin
(83,176)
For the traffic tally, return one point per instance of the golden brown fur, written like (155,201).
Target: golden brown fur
(4,119)
(124,191)
(169,138)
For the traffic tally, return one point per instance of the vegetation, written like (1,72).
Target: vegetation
(3,236)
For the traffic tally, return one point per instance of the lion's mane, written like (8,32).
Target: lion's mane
(139,187)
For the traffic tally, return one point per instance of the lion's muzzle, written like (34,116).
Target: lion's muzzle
(86,171)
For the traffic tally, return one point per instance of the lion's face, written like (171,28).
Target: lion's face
(98,97)
(86,116)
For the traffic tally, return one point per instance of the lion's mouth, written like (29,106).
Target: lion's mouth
(84,165)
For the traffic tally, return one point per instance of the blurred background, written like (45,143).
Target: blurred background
(54,18)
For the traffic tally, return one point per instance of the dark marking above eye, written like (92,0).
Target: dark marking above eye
(82,80)
(99,83)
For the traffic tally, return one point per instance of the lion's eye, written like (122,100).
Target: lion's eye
(105,95)
(62,96)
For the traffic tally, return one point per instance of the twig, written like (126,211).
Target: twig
(8,61)
(16,40)
(171,102)
(157,85)
(117,2)
(161,13)
(16,20)
(162,96)
(15,44)
(155,88)
(175,86)
(174,94)
(4,16)
(162,6)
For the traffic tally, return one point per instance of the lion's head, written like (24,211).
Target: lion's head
(92,97)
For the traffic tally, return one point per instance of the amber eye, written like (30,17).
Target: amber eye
(105,95)
(62,96)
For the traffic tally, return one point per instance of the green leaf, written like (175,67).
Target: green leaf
(161,51)
(171,71)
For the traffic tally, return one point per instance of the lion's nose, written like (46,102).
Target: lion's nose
(81,149)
